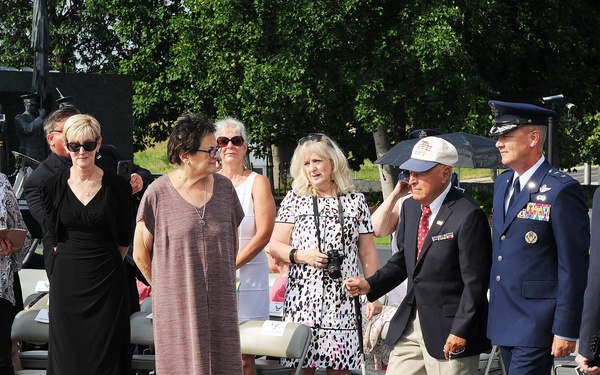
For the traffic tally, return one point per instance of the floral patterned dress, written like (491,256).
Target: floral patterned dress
(314,298)
(10,217)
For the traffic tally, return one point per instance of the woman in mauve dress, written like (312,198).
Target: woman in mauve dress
(185,244)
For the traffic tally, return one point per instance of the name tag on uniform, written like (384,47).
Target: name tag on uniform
(445,236)
(535,211)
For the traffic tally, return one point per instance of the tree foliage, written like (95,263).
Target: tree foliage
(343,67)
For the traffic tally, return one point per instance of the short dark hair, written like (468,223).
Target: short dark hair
(57,116)
(187,135)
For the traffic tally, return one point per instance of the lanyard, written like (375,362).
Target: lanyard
(340,215)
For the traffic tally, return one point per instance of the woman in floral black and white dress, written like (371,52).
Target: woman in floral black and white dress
(321,174)
(11,260)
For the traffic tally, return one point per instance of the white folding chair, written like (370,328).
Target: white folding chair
(26,329)
(566,363)
(275,339)
(146,305)
(142,333)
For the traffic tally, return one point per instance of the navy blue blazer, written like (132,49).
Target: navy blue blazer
(540,260)
(590,321)
(448,284)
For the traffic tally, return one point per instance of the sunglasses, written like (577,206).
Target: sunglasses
(237,141)
(212,152)
(88,146)
(315,137)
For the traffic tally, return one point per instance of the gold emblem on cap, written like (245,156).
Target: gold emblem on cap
(531,237)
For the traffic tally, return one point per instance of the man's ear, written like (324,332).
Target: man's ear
(534,138)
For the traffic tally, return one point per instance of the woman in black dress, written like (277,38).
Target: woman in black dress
(88,216)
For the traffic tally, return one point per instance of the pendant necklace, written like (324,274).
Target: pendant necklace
(200,218)
(91,178)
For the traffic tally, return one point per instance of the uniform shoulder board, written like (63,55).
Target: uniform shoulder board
(559,175)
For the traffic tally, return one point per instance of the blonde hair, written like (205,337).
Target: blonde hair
(81,127)
(326,148)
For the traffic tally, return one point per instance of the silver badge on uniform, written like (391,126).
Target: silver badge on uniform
(531,237)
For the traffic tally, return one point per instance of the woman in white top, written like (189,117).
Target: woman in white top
(254,193)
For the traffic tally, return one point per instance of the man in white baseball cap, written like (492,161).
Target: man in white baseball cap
(429,152)
(445,252)
(434,157)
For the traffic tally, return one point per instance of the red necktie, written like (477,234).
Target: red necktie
(423,229)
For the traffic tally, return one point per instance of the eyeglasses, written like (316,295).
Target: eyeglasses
(405,174)
(212,152)
(315,137)
(88,146)
(237,141)
(56,131)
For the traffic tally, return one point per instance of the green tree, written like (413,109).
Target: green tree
(350,68)
(81,36)
(530,49)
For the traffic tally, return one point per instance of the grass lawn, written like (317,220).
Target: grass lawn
(370,171)
(383,240)
(154,159)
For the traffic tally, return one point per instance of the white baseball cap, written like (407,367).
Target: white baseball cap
(429,152)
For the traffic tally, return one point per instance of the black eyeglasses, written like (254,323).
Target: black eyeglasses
(315,137)
(212,152)
(237,141)
(405,174)
(55,131)
(88,146)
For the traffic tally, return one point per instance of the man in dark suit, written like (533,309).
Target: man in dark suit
(589,335)
(541,238)
(107,158)
(445,252)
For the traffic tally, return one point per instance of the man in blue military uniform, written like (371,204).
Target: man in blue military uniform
(541,237)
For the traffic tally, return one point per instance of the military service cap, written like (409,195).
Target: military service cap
(509,116)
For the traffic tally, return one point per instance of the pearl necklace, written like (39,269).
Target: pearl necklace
(200,218)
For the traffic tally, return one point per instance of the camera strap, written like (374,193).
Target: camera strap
(340,215)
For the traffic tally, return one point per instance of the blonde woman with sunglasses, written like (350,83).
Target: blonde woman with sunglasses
(88,217)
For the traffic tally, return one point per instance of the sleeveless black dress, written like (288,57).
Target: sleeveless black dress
(89,303)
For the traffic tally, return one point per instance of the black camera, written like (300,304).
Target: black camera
(334,265)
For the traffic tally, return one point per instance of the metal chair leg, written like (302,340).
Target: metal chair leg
(494,354)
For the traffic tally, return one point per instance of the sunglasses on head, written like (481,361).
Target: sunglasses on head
(315,137)
(88,146)
(237,141)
